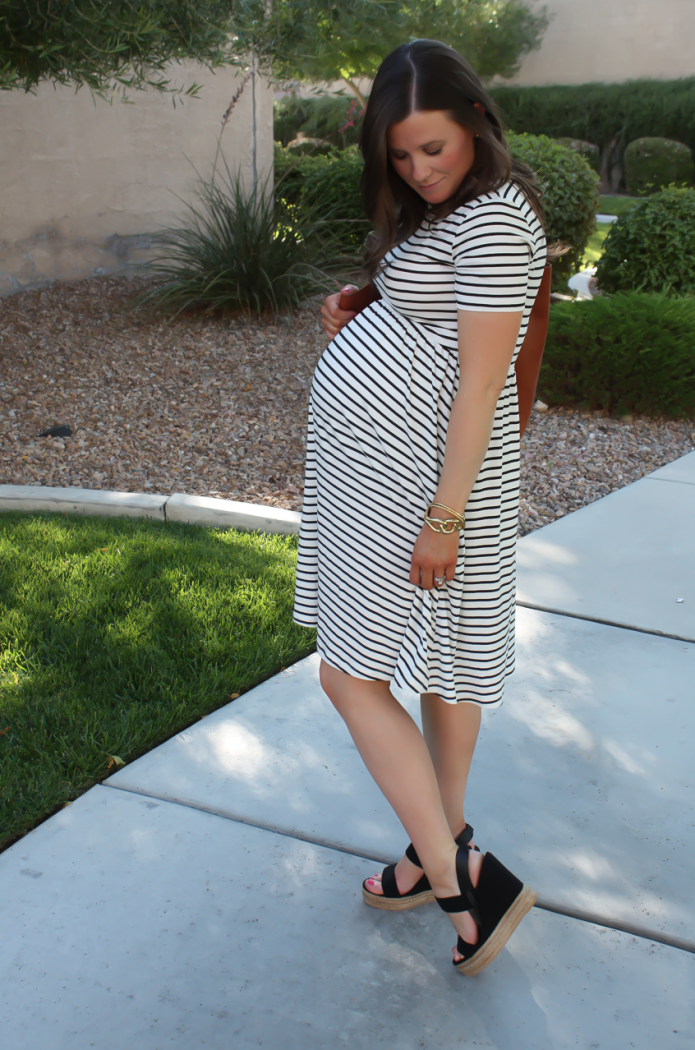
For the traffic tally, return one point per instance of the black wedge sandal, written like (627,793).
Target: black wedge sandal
(421,893)
(498,904)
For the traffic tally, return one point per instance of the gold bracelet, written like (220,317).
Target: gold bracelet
(447,525)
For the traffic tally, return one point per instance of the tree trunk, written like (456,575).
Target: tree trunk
(356,91)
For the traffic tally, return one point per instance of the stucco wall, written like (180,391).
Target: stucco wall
(613,40)
(84,182)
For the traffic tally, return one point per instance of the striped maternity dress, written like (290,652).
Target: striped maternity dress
(380,404)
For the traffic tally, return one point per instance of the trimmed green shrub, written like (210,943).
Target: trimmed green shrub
(328,184)
(334,179)
(570,194)
(652,163)
(651,247)
(625,353)
(611,115)
(587,150)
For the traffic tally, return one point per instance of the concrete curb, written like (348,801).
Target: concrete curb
(196,510)
(580,283)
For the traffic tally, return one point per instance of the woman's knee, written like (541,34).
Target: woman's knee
(342,688)
(328,679)
(337,685)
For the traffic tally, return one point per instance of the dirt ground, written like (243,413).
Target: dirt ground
(217,407)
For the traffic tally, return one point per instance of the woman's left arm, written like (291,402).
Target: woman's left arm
(486,346)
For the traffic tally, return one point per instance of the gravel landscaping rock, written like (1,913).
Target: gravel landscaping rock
(217,407)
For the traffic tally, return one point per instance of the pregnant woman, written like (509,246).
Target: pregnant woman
(407,547)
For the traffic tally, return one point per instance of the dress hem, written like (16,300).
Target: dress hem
(495,703)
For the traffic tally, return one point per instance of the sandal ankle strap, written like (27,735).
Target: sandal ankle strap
(466,900)
(461,840)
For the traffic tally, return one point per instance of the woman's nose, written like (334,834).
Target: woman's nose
(421,171)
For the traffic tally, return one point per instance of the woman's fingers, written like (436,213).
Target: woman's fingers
(440,576)
(331,307)
(434,555)
(434,579)
(332,317)
(431,577)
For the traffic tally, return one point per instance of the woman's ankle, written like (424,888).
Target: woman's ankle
(446,883)
(442,876)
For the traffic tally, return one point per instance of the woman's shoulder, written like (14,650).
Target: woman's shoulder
(507,202)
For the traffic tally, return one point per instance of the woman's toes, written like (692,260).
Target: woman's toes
(374,885)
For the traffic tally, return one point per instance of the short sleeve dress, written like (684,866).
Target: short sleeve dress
(380,403)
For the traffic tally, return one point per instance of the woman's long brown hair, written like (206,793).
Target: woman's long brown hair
(420,76)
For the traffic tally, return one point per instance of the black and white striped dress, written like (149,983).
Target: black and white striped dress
(380,403)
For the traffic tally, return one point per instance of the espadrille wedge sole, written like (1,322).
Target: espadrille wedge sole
(401,902)
(421,893)
(498,904)
(499,937)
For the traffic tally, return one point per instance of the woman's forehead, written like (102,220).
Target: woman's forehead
(420,128)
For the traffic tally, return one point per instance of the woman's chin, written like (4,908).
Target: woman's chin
(438,195)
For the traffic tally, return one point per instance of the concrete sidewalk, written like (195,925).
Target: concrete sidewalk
(209,893)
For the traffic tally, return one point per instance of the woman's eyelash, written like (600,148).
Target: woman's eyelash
(429,152)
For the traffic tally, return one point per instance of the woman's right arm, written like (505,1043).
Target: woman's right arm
(332,317)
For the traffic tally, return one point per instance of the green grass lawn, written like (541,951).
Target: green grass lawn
(116,634)
(616,205)
(609,206)
(594,249)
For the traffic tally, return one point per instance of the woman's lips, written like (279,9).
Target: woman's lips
(431,185)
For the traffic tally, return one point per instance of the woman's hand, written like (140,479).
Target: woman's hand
(434,554)
(333,318)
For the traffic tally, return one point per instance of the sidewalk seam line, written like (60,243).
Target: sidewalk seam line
(605,623)
(550,906)
(671,481)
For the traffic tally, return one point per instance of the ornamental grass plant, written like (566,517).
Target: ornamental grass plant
(245,248)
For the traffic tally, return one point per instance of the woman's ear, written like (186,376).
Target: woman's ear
(480,107)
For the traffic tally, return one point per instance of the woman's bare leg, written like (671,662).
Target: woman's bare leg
(451,732)
(396,754)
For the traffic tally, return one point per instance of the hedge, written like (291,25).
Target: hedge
(625,353)
(597,113)
(652,163)
(651,247)
(609,115)
(569,186)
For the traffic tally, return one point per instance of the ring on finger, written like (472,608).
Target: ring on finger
(439,580)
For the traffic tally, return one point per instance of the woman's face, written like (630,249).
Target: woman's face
(432,153)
